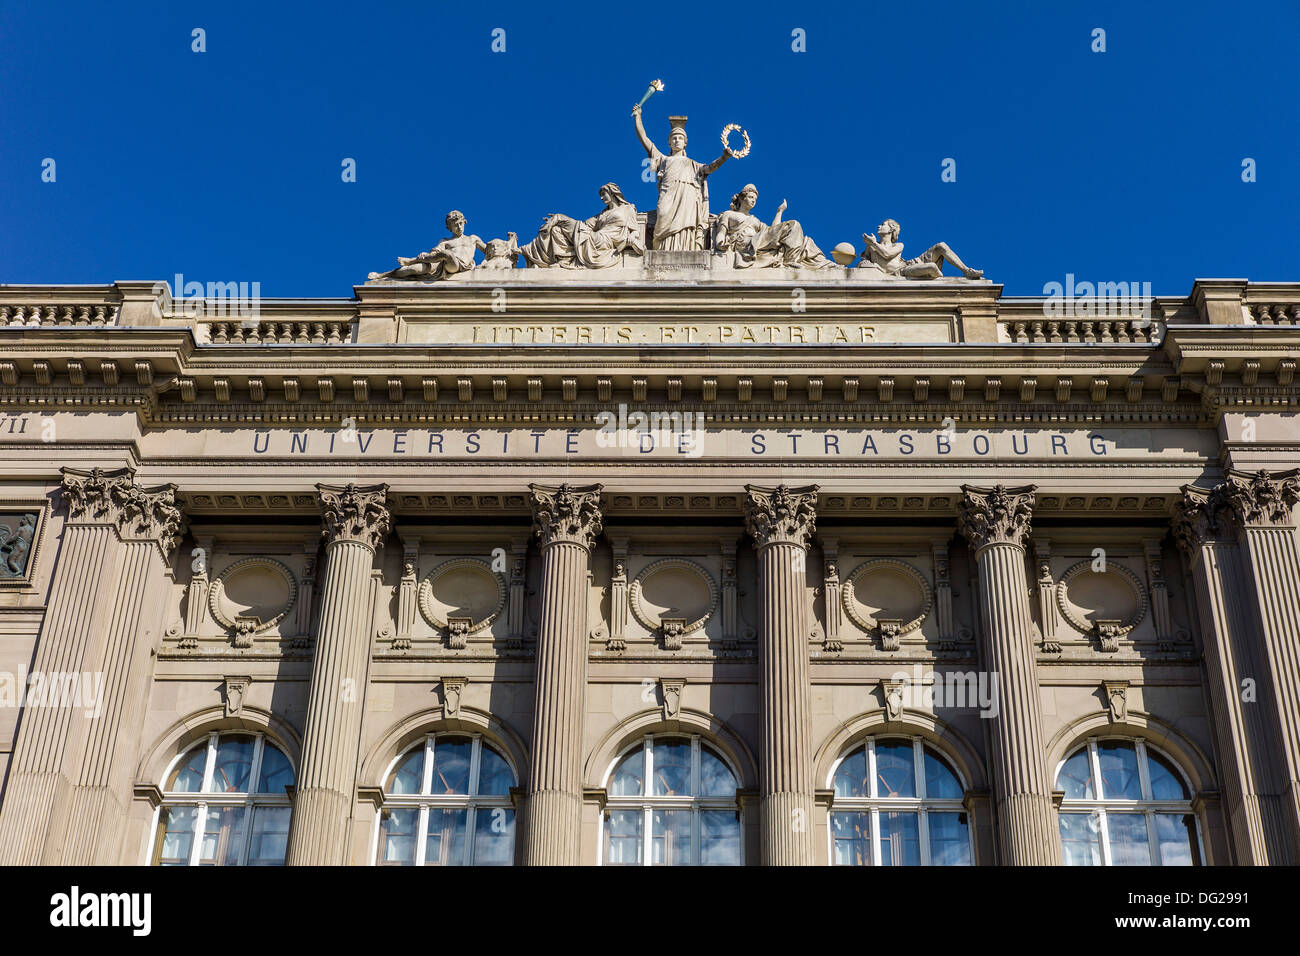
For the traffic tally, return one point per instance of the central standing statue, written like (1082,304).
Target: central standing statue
(683,211)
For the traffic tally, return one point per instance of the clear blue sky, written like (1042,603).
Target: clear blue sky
(225,165)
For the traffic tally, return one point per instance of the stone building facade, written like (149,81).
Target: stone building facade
(669,568)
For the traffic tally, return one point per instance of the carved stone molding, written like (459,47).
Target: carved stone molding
(1116,694)
(1114,572)
(480,609)
(892,691)
(355,513)
(996,515)
(918,603)
(670,690)
(1202,515)
(453,689)
(781,515)
(233,691)
(243,626)
(567,513)
(1263,499)
(113,497)
(692,618)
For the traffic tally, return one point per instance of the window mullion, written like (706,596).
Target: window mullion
(422,835)
(1105,837)
(875,835)
(1153,840)
(254,774)
(426,776)
(1144,772)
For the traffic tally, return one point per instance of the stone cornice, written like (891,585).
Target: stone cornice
(781,515)
(566,514)
(112,497)
(355,513)
(996,515)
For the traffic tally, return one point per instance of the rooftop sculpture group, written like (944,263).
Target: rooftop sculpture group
(618,236)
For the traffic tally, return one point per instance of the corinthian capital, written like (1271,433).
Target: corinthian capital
(355,513)
(568,514)
(781,515)
(1263,499)
(1201,515)
(113,497)
(995,515)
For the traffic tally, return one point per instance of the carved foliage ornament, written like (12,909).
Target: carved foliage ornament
(781,515)
(1201,515)
(569,514)
(113,497)
(355,513)
(996,515)
(1263,498)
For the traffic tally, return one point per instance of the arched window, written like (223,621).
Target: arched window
(1125,805)
(213,815)
(671,801)
(447,803)
(898,803)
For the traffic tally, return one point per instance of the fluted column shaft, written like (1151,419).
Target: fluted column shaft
(356,523)
(71,769)
(781,521)
(996,522)
(567,521)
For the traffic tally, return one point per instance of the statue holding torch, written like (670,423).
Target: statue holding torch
(682,216)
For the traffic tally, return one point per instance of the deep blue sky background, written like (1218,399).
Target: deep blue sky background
(225,165)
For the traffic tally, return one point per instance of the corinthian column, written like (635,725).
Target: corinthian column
(1203,526)
(781,521)
(1263,504)
(69,785)
(567,522)
(996,522)
(356,521)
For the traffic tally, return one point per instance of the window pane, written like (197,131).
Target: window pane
(188,775)
(672,763)
(851,833)
(628,775)
(1177,835)
(223,836)
(851,776)
(1075,777)
(1166,782)
(949,839)
(623,837)
(276,774)
(234,765)
(895,769)
(715,779)
(446,841)
(670,840)
(900,840)
(1119,770)
(397,837)
(494,776)
(1080,839)
(270,837)
(176,836)
(1129,845)
(451,765)
(494,836)
(940,782)
(720,838)
(408,777)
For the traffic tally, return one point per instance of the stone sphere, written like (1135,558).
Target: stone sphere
(844,253)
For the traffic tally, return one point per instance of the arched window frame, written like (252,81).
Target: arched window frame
(1148,805)
(921,804)
(424,801)
(205,799)
(648,803)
